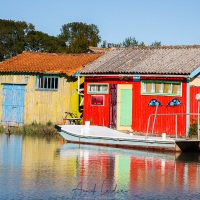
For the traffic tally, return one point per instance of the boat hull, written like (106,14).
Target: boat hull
(104,136)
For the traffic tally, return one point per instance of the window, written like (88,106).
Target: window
(161,88)
(47,82)
(97,89)
(97,100)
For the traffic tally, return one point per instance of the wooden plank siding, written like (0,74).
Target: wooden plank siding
(42,106)
(99,115)
(54,75)
(163,124)
(194,90)
(167,74)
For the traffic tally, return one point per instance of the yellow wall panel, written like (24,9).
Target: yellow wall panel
(195,82)
(42,106)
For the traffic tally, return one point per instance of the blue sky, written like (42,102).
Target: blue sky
(173,22)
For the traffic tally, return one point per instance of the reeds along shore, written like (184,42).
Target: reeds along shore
(47,130)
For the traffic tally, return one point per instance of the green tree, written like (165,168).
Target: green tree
(104,44)
(141,44)
(16,37)
(79,36)
(41,42)
(156,44)
(12,37)
(130,41)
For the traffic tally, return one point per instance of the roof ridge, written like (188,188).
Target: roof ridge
(59,54)
(159,47)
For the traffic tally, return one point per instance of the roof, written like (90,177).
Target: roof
(97,49)
(180,60)
(32,62)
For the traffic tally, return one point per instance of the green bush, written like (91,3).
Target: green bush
(2,129)
(34,129)
(193,128)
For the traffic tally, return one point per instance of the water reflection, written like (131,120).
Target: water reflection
(33,168)
(142,174)
(11,146)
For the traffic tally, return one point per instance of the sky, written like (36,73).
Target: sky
(171,22)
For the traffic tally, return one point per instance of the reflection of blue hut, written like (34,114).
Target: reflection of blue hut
(154,102)
(11,162)
(11,150)
(174,102)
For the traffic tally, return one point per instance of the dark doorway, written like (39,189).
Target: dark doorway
(113,105)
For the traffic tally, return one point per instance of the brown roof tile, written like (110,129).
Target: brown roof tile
(146,60)
(32,62)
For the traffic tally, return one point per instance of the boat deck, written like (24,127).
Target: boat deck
(100,135)
(102,131)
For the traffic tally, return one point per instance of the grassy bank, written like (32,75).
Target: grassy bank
(47,131)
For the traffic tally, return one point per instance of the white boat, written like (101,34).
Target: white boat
(104,136)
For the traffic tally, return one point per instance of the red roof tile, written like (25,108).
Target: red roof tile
(32,62)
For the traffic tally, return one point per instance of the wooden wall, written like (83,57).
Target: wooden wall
(43,106)
(163,124)
(194,90)
(99,115)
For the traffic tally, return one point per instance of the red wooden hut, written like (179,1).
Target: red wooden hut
(144,89)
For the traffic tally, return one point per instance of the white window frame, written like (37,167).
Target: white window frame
(161,89)
(97,88)
(47,83)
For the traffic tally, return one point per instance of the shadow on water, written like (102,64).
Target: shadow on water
(188,157)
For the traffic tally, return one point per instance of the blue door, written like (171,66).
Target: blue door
(13,104)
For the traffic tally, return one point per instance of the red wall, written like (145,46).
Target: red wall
(99,115)
(164,124)
(193,102)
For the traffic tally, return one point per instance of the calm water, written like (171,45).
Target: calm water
(38,169)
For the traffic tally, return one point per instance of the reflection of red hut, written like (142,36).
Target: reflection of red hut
(89,166)
(129,79)
(163,173)
(137,172)
(193,177)
(180,174)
